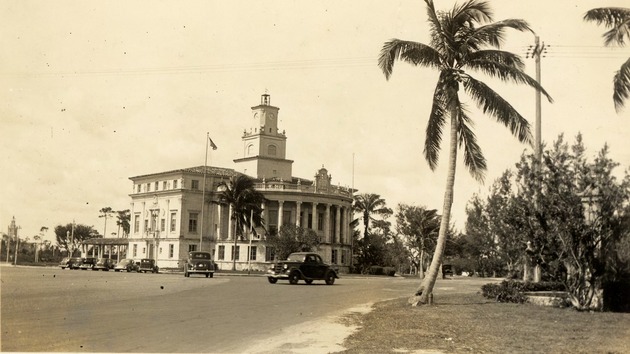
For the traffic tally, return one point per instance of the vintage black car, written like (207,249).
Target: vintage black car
(302,266)
(70,263)
(126,265)
(199,263)
(147,265)
(104,264)
(87,263)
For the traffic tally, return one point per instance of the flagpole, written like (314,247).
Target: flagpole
(203,193)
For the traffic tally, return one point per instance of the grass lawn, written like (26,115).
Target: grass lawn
(462,321)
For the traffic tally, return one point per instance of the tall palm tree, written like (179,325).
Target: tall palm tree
(246,203)
(123,219)
(462,40)
(618,20)
(368,205)
(105,213)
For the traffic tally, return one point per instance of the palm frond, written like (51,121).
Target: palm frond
(411,52)
(495,105)
(494,34)
(435,124)
(616,18)
(505,72)
(622,85)
(473,156)
(471,11)
(496,56)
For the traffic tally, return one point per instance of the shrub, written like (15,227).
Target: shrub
(375,270)
(512,291)
(389,271)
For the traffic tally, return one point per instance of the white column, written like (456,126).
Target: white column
(219,221)
(338,223)
(280,213)
(314,217)
(298,210)
(327,224)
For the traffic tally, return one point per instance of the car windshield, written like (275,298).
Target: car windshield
(296,258)
(125,262)
(200,255)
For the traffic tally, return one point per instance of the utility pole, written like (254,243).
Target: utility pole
(536,52)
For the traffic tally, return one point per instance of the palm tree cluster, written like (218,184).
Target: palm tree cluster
(463,41)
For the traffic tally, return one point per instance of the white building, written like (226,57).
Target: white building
(167,213)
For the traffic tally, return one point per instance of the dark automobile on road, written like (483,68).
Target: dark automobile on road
(87,263)
(71,263)
(126,265)
(302,266)
(104,264)
(199,263)
(147,265)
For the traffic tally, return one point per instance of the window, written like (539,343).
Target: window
(221,252)
(136,223)
(146,225)
(194,184)
(156,185)
(272,150)
(310,221)
(174,184)
(252,253)
(250,149)
(286,217)
(320,221)
(192,248)
(164,185)
(135,250)
(163,225)
(139,188)
(270,254)
(173,221)
(344,256)
(160,250)
(273,220)
(148,187)
(236,250)
(171,250)
(333,257)
(192,222)
(144,250)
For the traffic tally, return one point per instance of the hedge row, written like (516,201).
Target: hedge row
(512,290)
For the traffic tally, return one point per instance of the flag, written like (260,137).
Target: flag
(214,147)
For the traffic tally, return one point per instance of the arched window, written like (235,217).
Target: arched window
(250,149)
(272,150)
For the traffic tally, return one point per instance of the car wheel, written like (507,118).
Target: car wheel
(211,275)
(272,280)
(186,274)
(207,275)
(330,278)
(294,277)
(309,281)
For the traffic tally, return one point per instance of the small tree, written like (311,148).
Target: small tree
(419,227)
(291,238)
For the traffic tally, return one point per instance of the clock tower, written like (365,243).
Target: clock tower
(264,146)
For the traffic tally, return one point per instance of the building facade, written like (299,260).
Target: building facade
(168,219)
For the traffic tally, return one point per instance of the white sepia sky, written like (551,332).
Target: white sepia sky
(94,92)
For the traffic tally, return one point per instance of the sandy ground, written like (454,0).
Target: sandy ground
(313,337)
(317,337)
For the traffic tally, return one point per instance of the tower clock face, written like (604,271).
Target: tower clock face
(272,116)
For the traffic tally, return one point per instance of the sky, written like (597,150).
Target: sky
(95,92)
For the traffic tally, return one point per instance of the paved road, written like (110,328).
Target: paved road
(48,309)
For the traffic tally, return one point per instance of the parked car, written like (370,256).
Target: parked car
(126,265)
(87,263)
(302,266)
(64,262)
(147,265)
(104,264)
(199,263)
(75,263)
(447,269)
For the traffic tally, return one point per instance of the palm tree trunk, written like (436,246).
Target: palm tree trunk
(426,288)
